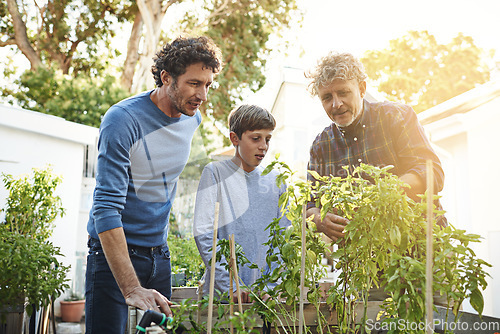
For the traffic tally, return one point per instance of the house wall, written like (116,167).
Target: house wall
(34,140)
(466,144)
(299,119)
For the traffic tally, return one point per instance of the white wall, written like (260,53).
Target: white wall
(467,145)
(34,140)
(299,119)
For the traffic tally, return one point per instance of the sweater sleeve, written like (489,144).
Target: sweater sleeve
(413,148)
(116,137)
(204,216)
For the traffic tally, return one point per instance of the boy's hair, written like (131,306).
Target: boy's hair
(335,66)
(182,52)
(248,118)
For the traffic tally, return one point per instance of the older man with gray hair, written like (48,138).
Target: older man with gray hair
(379,134)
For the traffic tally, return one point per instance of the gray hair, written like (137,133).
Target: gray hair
(335,66)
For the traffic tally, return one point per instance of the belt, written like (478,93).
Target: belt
(149,250)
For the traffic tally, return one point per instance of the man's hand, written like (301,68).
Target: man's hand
(245,297)
(115,249)
(332,225)
(148,299)
(417,186)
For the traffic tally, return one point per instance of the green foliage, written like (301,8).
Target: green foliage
(284,255)
(184,257)
(242,30)
(32,206)
(30,268)
(29,262)
(385,246)
(415,69)
(72,35)
(82,99)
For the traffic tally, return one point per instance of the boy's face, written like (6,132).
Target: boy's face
(251,149)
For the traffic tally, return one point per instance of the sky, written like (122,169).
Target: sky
(356,26)
(359,25)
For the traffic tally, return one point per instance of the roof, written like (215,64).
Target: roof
(462,103)
(222,153)
(49,125)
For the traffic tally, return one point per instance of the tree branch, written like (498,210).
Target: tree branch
(21,36)
(10,41)
(132,53)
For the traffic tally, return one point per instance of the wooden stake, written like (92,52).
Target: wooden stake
(302,269)
(235,273)
(429,258)
(212,270)
(200,297)
(231,293)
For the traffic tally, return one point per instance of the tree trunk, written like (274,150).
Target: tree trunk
(21,36)
(132,53)
(152,13)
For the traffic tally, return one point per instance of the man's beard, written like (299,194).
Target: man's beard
(176,99)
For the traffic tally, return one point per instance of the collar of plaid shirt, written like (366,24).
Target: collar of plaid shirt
(386,133)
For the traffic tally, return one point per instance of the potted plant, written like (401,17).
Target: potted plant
(72,307)
(32,273)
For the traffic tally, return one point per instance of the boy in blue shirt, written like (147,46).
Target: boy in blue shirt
(248,200)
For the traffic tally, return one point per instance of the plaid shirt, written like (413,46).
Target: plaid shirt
(386,134)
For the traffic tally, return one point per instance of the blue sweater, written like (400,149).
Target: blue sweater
(142,151)
(249,201)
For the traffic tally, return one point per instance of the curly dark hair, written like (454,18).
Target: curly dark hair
(184,51)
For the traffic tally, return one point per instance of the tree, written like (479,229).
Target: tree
(82,99)
(72,35)
(416,70)
(242,30)
(75,37)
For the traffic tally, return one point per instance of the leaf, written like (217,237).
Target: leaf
(290,287)
(220,311)
(477,301)
(311,256)
(315,174)
(395,236)
(288,251)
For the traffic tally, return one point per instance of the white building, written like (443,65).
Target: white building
(464,132)
(34,140)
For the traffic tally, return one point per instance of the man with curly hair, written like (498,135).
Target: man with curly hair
(379,134)
(144,144)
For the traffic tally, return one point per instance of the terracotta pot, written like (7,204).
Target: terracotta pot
(72,311)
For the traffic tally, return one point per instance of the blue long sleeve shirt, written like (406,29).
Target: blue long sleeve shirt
(141,154)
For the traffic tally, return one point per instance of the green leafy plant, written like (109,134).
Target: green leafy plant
(30,264)
(384,247)
(185,258)
(282,283)
(73,296)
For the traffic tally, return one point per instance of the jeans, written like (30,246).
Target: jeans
(105,308)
